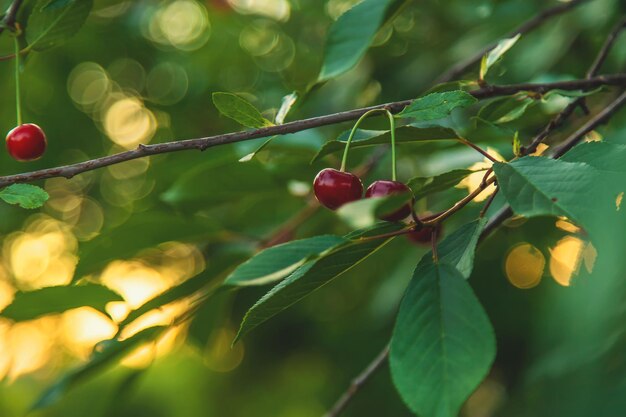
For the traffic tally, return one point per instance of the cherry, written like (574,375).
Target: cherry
(26,142)
(424,235)
(335,188)
(383,188)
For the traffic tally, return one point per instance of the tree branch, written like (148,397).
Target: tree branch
(358,382)
(524,28)
(11,15)
(68,171)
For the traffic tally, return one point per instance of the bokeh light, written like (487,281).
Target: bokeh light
(524,265)
(473,181)
(567,256)
(127,122)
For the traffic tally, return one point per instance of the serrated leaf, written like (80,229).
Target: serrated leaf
(368,211)
(313,275)
(404,134)
(30,305)
(437,105)
(443,344)
(350,37)
(459,248)
(105,353)
(277,262)
(425,186)
(539,186)
(24,195)
(52,23)
(496,53)
(240,110)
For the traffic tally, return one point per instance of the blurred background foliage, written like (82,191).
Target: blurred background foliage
(143,72)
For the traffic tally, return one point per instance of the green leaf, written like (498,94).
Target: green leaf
(404,134)
(368,211)
(572,93)
(424,186)
(538,186)
(505,109)
(105,353)
(350,37)
(437,105)
(277,262)
(458,248)
(25,195)
(443,344)
(32,304)
(52,23)
(313,275)
(240,110)
(496,53)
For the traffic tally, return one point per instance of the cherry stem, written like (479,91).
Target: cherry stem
(344,160)
(18,103)
(477,149)
(392,130)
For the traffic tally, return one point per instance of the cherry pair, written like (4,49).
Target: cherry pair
(335,188)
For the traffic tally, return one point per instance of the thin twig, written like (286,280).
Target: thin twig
(68,171)
(477,149)
(358,382)
(606,48)
(488,203)
(11,16)
(524,28)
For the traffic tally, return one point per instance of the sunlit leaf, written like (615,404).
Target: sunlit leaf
(496,53)
(287,103)
(313,275)
(24,195)
(32,304)
(52,23)
(277,262)
(240,110)
(437,105)
(443,344)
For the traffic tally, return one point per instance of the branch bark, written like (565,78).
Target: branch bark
(68,171)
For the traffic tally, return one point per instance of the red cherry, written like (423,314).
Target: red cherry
(424,235)
(335,188)
(26,142)
(384,188)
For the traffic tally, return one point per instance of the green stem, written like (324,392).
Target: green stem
(344,160)
(18,103)
(392,129)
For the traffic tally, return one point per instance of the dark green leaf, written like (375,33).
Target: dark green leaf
(538,186)
(275,263)
(105,353)
(405,134)
(505,109)
(32,304)
(424,186)
(443,344)
(459,248)
(25,195)
(350,37)
(437,105)
(240,110)
(313,275)
(52,23)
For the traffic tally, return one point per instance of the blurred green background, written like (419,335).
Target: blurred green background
(143,72)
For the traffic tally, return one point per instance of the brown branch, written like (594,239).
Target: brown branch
(358,382)
(606,48)
(68,171)
(524,28)
(11,16)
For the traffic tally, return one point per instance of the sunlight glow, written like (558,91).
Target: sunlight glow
(524,266)
(473,181)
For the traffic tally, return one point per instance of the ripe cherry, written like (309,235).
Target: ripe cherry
(384,188)
(26,142)
(424,235)
(335,188)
